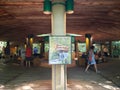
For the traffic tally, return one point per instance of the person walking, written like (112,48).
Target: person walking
(91,59)
(28,55)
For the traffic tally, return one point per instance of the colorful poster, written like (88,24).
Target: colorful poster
(60,50)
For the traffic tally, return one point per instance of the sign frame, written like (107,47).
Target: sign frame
(60,50)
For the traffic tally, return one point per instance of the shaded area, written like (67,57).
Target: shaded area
(14,77)
(111,70)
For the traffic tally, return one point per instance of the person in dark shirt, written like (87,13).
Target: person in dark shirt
(35,51)
(28,55)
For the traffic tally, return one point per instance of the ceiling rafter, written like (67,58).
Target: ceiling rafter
(17,3)
(101,18)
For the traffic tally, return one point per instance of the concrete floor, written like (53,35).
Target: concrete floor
(16,77)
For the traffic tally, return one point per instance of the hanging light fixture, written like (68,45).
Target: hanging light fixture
(69,6)
(47,7)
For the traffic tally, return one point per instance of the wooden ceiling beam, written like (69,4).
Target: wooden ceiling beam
(20,3)
(97,2)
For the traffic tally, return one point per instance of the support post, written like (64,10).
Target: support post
(59,72)
(88,41)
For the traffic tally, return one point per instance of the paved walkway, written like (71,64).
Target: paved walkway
(14,77)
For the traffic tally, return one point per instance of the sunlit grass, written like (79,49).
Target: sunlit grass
(89,87)
(1,86)
(79,87)
(109,87)
(26,87)
(76,85)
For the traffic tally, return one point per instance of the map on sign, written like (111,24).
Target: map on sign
(60,50)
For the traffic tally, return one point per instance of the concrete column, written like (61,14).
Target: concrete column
(58,18)
(76,49)
(88,41)
(29,40)
(29,45)
(7,50)
(59,72)
(42,50)
(110,48)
